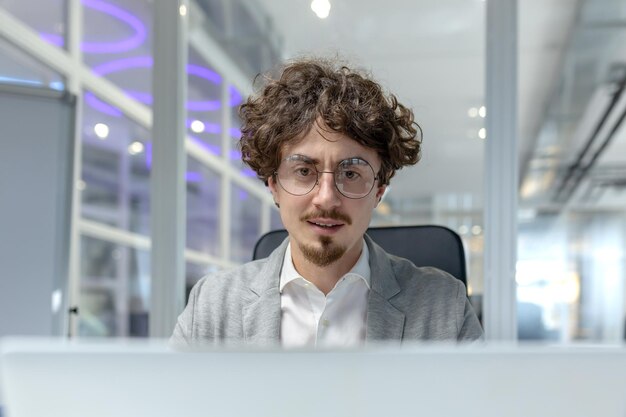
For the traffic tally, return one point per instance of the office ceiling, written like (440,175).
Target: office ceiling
(431,53)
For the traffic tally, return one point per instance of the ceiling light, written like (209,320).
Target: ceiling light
(321,8)
(463,230)
(81,185)
(472,112)
(135,148)
(482,112)
(101,130)
(476,230)
(183,10)
(197,126)
(482,133)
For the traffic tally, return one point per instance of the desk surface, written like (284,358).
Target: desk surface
(74,380)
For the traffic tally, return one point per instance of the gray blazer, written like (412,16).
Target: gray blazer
(406,303)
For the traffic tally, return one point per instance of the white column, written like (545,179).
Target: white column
(74,36)
(226,187)
(168,192)
(501,171)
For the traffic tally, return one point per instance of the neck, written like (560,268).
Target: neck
(325,277)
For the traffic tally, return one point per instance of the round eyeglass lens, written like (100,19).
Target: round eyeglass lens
(354,178)
(297,175)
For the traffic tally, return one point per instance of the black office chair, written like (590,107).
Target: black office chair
(435,246)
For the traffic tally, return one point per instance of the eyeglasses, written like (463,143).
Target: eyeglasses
(354,177)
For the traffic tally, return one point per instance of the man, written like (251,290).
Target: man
(327,140)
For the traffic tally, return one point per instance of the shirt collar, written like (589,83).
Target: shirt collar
(361,268)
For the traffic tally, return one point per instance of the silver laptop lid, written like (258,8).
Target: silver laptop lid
(43,378)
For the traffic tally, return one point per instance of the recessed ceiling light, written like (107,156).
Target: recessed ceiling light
(482,112)
(101,130)
(482,133)
(463,229)
(321,8)
(197,126)
(135,148)
(476,230)
(472,112)
(183,10)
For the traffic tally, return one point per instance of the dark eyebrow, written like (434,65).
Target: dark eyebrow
(302,158)
(355,160)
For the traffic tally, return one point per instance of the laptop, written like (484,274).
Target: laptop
(64,379)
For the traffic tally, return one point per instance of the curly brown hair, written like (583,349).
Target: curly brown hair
(347,102)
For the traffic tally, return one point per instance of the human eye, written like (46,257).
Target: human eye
(302,171)
(353,169)
(350,174)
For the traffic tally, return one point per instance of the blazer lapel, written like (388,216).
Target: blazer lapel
(384,321)
(261,318)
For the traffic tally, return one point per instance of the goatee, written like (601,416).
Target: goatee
(324,255)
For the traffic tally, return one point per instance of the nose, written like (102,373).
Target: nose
(326,196)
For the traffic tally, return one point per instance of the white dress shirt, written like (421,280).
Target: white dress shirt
(310,318)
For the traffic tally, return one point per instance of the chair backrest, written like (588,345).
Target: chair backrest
(435,246)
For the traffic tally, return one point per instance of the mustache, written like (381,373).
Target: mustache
(333,214)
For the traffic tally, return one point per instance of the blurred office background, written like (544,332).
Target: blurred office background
(431,53)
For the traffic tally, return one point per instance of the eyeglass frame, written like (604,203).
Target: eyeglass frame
(318,172)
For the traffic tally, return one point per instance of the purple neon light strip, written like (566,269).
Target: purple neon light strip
(101,106)
(119,65)
(235,133)
(146,98)
(205,73)
(243,195)
(235,97)
(51,38)
(120,14)
(248,172)
(192,176)
(149,155)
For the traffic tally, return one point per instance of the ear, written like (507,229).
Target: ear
(271,183)
(380,191)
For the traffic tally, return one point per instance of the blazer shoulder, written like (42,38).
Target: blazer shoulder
(435,304)
(423,278)
(237,280)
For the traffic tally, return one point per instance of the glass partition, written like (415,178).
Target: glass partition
(245,224)
(115,179)
(114,290)
(571,268)
(204,104)
(17,67)
(117,44)
(203,217)
(47,18)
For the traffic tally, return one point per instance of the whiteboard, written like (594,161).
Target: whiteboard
(36,167)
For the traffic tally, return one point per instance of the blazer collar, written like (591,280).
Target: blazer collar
(261,318)
(384,321)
